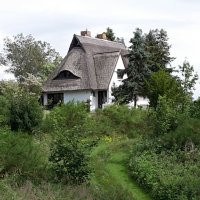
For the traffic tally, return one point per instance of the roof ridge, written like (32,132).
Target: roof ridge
(101,40)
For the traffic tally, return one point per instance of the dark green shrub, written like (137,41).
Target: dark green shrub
(4,111)
(186,137)
(165,116)
(119,119)
(167,174)
(65,117)
(25,112)
(165,177)
(195,109)
(21,155)
(69,157)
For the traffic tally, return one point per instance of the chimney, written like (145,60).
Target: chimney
(86,33)
(102,36)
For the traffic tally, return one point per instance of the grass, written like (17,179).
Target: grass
(110,162)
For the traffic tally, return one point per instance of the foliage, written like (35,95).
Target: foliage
(65,116)
(162,83)
(118,119)
(164,169)
(25,112)
(109,34)
(69,155)
(167,165)
(4,111)
(165,116)
(158,49)
(185,138)
(26,55)
(148,53)
(136,71)
(165,177)
(195,109)
(8,88)
(189,79)
(21,155)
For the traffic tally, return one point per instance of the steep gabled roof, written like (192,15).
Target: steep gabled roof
(91,60)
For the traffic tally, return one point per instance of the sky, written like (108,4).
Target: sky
(55,21)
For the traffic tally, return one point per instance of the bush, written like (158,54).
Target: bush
(119,119)
(65,117)
(20,155)
(166,116)
(185,138)
(4,111)
(195,109)
(69,156)
(166,178)
(165,174)
(25,112)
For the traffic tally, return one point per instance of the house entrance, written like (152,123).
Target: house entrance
(102,98)
(54,99)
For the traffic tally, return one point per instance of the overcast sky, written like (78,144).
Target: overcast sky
(55,21)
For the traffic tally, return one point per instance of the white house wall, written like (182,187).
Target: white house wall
(94,101)
(82,96)
(144,102)
(76,96)
(114,80)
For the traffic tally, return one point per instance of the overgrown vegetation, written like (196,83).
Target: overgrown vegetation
(70,153)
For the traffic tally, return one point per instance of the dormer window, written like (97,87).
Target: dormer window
(120,73)
(66,75)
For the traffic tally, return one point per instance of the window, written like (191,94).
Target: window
(65,75)
(120,73)
(93,93)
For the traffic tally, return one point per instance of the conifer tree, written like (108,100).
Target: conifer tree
(136,71)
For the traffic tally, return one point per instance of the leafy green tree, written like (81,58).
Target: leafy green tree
(25,112)
(195,109)
(120,40)
(8,88)
(166,115)
(136,71)
(110,34)
(188,77)
(24,55)
(161,83)
(156,43)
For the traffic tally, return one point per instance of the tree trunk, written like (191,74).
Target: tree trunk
(135,101)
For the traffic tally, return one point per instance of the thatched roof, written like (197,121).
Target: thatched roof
(90,63)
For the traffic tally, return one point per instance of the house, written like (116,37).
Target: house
(88,72)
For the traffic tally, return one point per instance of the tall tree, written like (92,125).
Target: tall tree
(110,34)
(136,71)
(156,43)
(162,83)
(149,53)
(24,55)
(188,77)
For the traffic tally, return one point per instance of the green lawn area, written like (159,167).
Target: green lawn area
(109,160)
